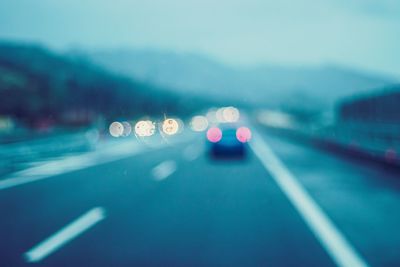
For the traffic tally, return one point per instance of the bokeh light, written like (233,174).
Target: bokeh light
(230,114)
(214,134)
(199,123)
(145,128)
(243,134)
(116,129)
(127,128)
(211,116)
(219,115)
(6,124)
(170,126)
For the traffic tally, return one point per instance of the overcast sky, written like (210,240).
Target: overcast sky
(356,33)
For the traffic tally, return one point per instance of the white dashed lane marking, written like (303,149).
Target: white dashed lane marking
(192,152)
(65,235)
(163,170)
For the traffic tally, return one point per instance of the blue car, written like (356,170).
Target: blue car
(228,142)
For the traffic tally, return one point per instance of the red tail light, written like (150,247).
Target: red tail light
(243,134)
(214,134)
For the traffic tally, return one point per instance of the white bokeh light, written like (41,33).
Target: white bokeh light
(145,128)
(116,129)
(199,123)
(211,116)
(219,115)
(170,126)
(230,114)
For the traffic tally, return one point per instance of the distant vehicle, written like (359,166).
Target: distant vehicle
(228,141)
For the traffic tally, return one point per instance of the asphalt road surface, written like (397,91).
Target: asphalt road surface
(171,205)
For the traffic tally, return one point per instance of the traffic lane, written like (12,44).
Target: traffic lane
(361,198)
(208,213)
(32,212)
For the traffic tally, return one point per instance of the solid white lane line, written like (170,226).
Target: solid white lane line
(163,170)
(65,235)
(331,239)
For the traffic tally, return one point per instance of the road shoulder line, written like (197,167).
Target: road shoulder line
(331,239)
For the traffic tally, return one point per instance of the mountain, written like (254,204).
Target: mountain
(266,85)
(38,84)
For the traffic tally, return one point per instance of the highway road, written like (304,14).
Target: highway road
(129,204)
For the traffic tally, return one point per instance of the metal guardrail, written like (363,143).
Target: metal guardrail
(379,144)
(13,155)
